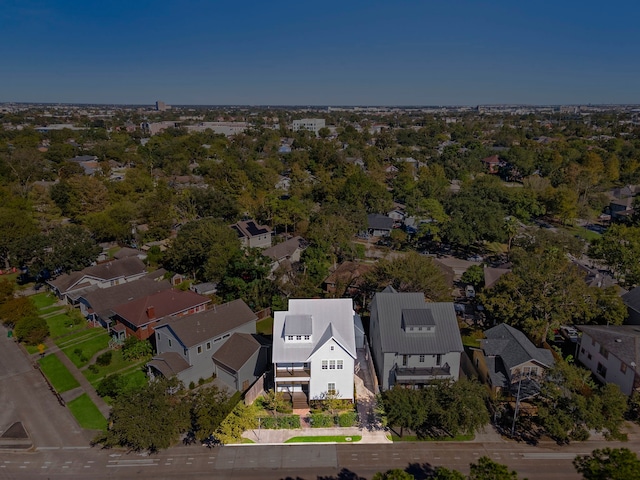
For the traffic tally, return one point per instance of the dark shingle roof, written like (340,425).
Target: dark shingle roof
(200,327)
(236,351)
(169,363)
(632,299)
(144,310)
(378,221)
(103,300)
(391,305)
(513,347)
(284,249)
(125,267)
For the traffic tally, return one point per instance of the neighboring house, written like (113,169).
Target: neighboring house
(413,342)
(508,361)
(347,278)
(129,252)
(139,317)
(206,288)
(314,349)
(612,353)
(621,209)
(632,300)
(69,286)
(96,304)
(218,341)
(379,225)
(288,251)
(492,275)
(491,164)
(252,235)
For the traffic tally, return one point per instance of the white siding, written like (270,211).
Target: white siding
(320,378)
(589,355)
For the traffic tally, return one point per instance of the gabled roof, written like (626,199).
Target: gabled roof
(169,363)
(394,338)
(202,326)
(103,300)
(513,347)
(125,252)
(249,229)
(331,318)
(621,341)
(377,221)
(284,249)
(632,299)
(151,308)
(124,267)
(236,351)
(492,275)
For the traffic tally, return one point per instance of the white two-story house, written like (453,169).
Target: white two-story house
(314,349)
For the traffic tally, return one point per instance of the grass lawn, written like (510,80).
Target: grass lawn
(87,413)
(326,438)
(584,233)
(90,346)
(57,373)
(117,363)
(246,440)
(43,300)
(265,326)
(62,324)
(413,438)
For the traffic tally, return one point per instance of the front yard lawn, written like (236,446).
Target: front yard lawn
(43,300)
(57,373)
(326,438)
(81,353)
(87,414)
(62,324)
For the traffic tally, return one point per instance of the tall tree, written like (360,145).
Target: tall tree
(608,464)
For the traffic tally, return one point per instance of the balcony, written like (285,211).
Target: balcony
(421,374)
(282,374)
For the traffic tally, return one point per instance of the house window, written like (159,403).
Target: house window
(307,337)
(169,342)
(208,345)
(604,352)
(582,350)
(289,337)
(217,339)
(226,336)
(623,367)
(332,364)
(404,360)
(298,337)
(199,349)
(601,370)
(331,388)
(530,371)
(589,356)
(421,359)
(340,364)
(438,360)
(332,348)
(325,364)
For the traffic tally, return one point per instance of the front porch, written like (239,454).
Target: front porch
(420,376)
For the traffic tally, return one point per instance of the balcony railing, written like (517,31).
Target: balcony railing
(422,373)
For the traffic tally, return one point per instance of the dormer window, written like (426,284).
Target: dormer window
(290,337)
(419,320)
(298,328)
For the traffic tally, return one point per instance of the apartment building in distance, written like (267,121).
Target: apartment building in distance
(311,124)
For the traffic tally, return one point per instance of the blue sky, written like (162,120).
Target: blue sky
(349,52)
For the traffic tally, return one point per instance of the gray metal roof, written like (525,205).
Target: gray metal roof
(513,347)
(420,317)
(379,222)
(632,299)
(298,325)
(331,318)
(443,339)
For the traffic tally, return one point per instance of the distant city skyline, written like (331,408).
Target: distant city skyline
(356,53)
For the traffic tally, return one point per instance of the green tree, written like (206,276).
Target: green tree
(442,473)
(487,469)
(619,247)
(474,275)
(410,273)
(209,407)
(395,474)
(32,330)
(608,464)
(149,418)
(134,349)
(241,418)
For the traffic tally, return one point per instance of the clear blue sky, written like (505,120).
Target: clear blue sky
(348,52)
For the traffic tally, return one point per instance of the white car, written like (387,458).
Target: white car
(570,333)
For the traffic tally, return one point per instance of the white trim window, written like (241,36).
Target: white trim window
(340,364)
(325,364)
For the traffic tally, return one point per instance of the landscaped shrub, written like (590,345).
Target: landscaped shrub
(321,420)
(284,422)
(80,354)
(111,386)
(134,349)
(347,419)
(93,368)
(104,359)
(192,385)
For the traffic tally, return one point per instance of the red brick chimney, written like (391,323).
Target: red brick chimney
(151,312)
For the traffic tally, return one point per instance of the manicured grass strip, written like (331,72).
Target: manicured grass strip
(51,309)
(246,440)
(326,438)
(87,413)
(43,300)
(265,326)
(413,438)
(89,348)
(118,364)
(61,325)
(80,336)
(57,373)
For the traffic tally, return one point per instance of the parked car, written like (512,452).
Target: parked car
(469,291)
(570,333)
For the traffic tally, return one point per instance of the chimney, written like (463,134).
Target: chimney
(151,312)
